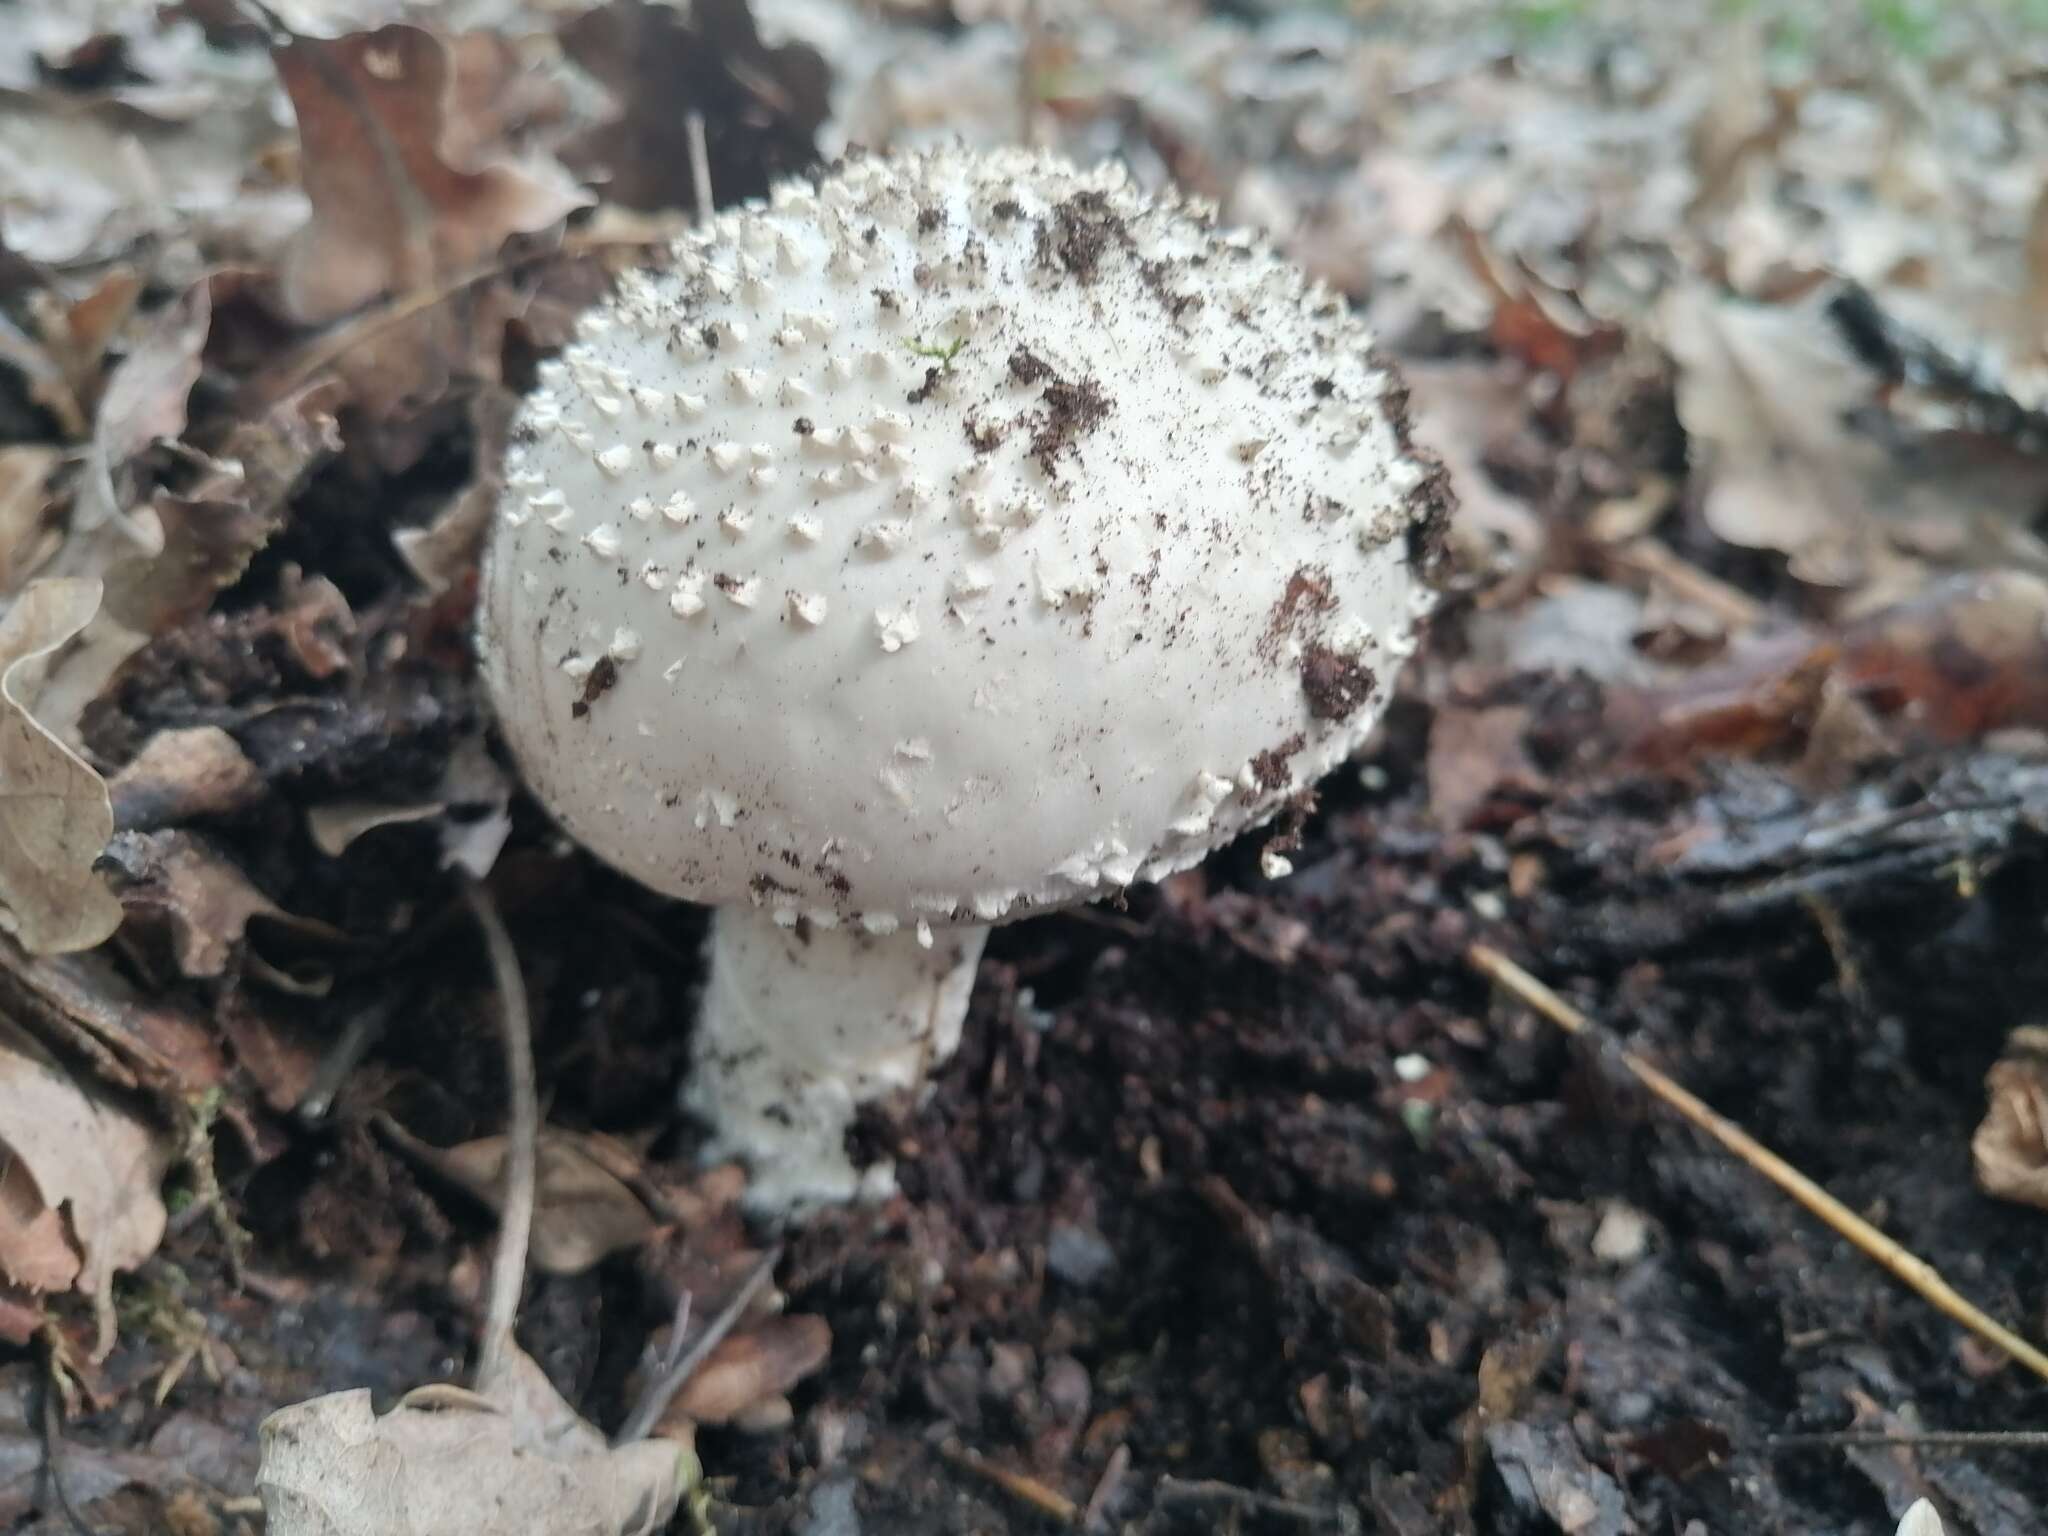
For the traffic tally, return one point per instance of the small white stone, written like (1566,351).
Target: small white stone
(625,644)
(615,460)
(808,608)
(603,541)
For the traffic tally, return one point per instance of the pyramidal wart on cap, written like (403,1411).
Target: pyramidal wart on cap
(954,537)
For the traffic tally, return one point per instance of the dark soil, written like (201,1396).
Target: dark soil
(1254,1186)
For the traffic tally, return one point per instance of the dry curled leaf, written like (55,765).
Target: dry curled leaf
(183,882)
(144,404)
(507,1460)
(443,551)
(25,538)
(1794,453)
(581,1211)
(181,775)
(201,538)
(2010,1149)
(749,1369)
(406,191)
(79,1198)
(55,815)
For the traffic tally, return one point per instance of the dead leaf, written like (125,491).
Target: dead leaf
(406,192)
(1964,658)
(183,775)
(1546,1476)
(761,106)
(58,815)
(85,1007)
(2010,1149)
(335,826)
(90,1472)
(203,538)
(181,880)
(1458,410)
(1777,407)
(444,551)
(507,1460)
(1474,753)
(25,532)
(91,1161)
(746,1369)
(144,404)
(581,1212)
(469,807)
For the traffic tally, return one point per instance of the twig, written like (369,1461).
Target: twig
(1920,1440)
(515,1226)
(1174,1490)
(351,331)
(53,1443)
(700,166)
(1019,1485)
(1106,1486)
(1653,558)
(655,1400)
(1908,1268)
(363,1028)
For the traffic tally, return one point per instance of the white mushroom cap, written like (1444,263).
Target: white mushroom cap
(958,536)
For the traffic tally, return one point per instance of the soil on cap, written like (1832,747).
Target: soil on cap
(595,686)
(1269,768)
(1072,410)
(1077,232)
(1336,684)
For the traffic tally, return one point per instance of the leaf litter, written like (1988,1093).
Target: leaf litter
(1732,333)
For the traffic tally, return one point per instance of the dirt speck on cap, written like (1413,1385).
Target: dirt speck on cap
(1269,767)
(1027,367)
(1077,232)
(595,687)
(1072,410)
(1308,591)
(1336,684)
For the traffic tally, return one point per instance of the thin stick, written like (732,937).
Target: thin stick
(654,1402)
(1915,1273)
(700,166)
(1655,559)
(53,1445)
(1027,1489)
(515,1226)
(1106,1486)
(1175,1490)
(351,331)
(1922,1440)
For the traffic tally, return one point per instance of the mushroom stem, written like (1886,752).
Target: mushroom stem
(800,1026)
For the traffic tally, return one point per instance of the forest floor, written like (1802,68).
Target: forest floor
(1247,1205)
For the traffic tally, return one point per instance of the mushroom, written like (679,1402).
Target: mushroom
(954,537)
